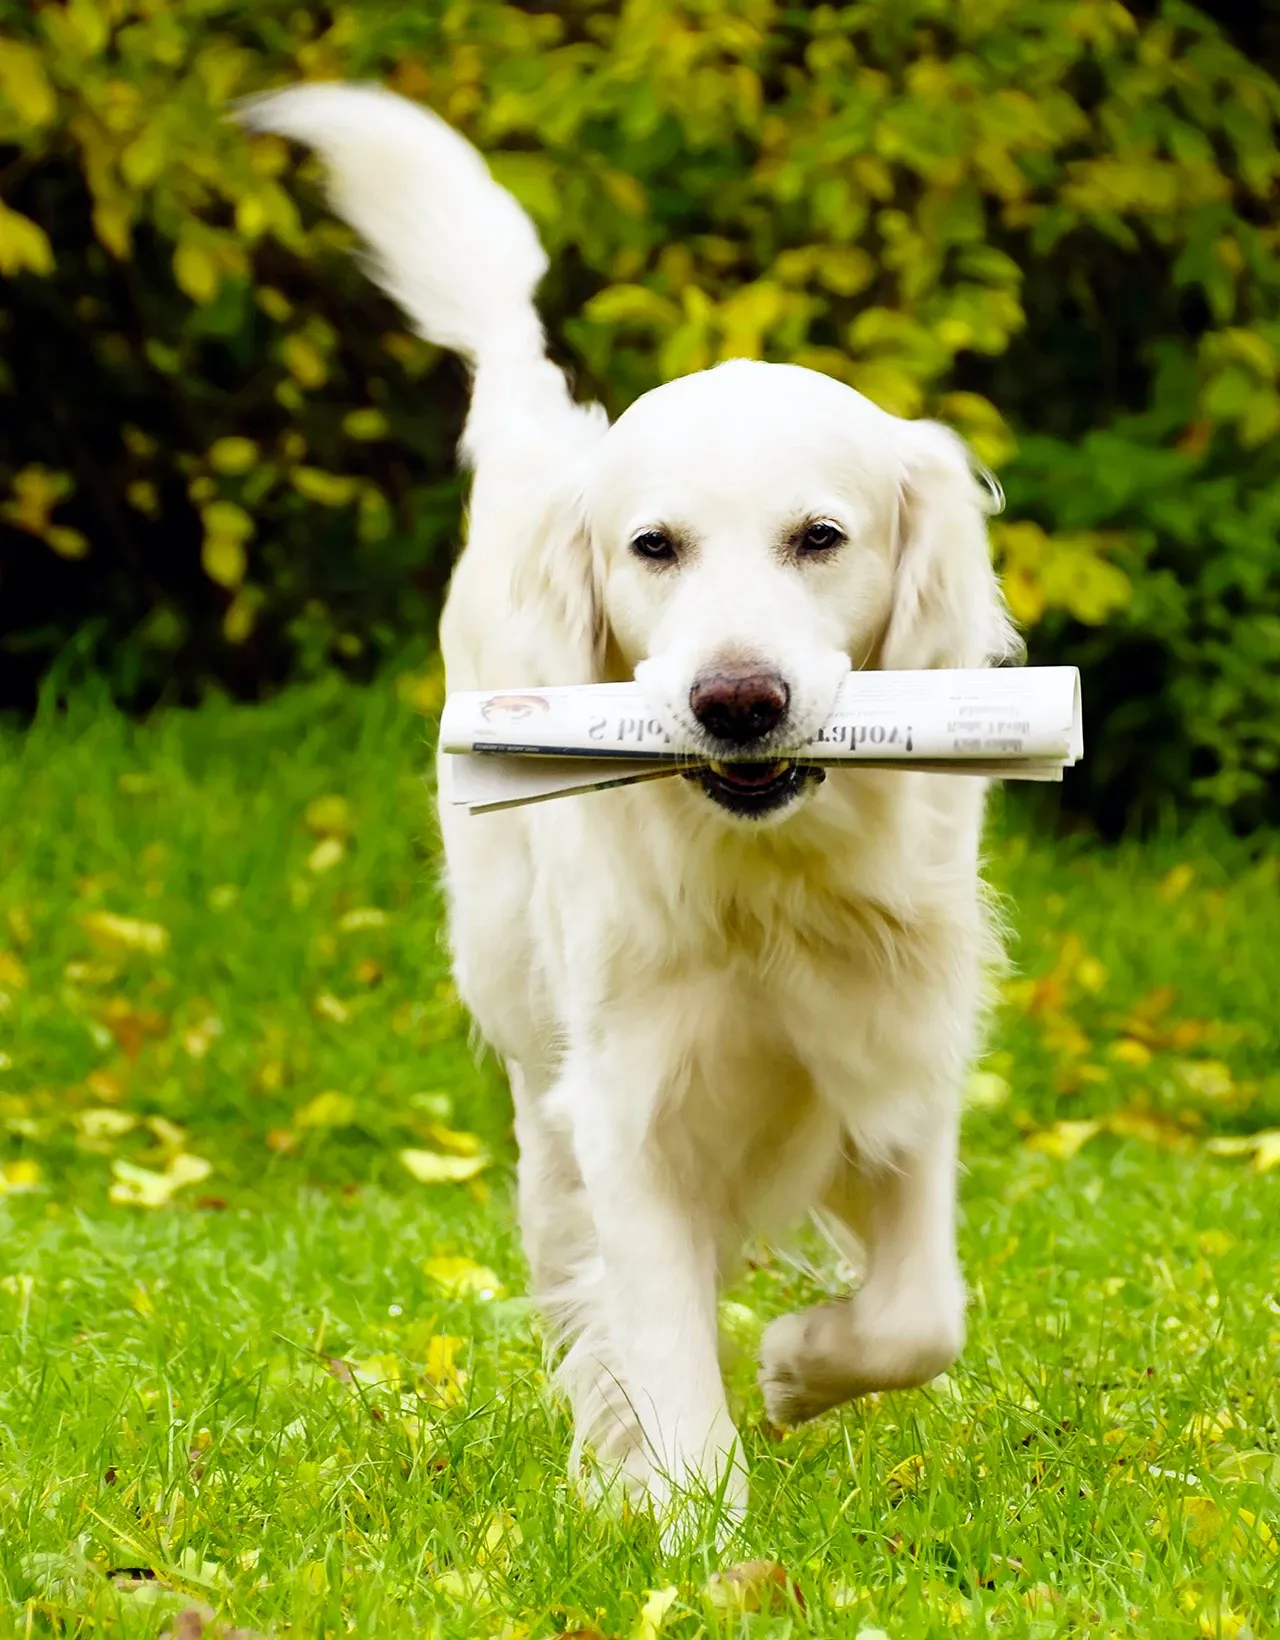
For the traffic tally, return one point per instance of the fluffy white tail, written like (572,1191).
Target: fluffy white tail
(447,243)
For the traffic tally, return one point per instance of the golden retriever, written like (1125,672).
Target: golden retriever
(723,1001)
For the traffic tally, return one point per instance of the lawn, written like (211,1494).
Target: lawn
(249,1361)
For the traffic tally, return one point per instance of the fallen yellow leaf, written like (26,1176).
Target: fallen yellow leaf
(125,933)
(329,1109)
(752,1586)
(327,853)
(328,816)
(462,1278)
(1266,1152)
(653,1614)
(99,1125)
(501,1536)
(1177,882)
(1152,1128)
(362,916)
(1129,1051)
(985,1090)
(1209,1078)
(1264,1147)
(23,1174)
(377,1369)
(441,1378)
(1064,1139)
(430,1167)
(143,1187)
(454,1141)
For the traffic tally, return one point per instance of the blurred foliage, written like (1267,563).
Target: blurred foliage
(1051,224)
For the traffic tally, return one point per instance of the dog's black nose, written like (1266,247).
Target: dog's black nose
(739,704)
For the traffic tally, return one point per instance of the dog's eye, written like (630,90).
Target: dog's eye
(655,545)
(821,537)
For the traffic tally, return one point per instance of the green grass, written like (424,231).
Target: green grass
(173,1393)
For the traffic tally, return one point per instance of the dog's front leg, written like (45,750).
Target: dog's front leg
(905,1324)
(657,1293)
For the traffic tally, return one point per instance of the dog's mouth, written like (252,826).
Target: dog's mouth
(754,788)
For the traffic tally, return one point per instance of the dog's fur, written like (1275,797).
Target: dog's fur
(712,1024)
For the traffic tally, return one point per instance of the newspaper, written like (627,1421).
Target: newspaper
(509,747)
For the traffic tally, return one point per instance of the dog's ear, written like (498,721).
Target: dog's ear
(557,596)
(947,607)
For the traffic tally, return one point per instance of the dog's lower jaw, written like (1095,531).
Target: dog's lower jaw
(767,801)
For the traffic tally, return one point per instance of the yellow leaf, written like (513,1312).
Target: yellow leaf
(113,222)
(330,1007)
(329,1109)
(653,1614)
(170,1135)
(225,518)
(125,933)
(1233,1144)
(1209,1078)
(196,272)
(751,1586)
(100,1124)
(224,560)
(24,245)
(23,1174)
(1177,882)
(328,816)
(739,1327)
(232,455)
(327,853)
(378,1369)
(66,542)
(1091,975)
(1266,1151)
(1024,594)
(143,1187)
(240,618)
(430,1167)
(13,976)
(462,1278)
(501,1536)
(1128,1051)
(985,1090)
(143,495)
(365,424)
(304,361)
(1063,1139)
(328,489)
(24,84)
(421,691)
(1148,1126)
(36,492)
(463,1588)
(362,916)
(455,1142)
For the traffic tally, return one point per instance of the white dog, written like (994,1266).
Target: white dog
(729,1000)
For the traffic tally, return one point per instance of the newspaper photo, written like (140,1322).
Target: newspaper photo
(515,746)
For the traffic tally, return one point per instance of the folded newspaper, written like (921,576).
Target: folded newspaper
(504,748)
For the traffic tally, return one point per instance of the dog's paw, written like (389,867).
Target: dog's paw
(818,1358)
(785,1358)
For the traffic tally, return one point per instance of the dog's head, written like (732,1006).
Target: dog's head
(742,537)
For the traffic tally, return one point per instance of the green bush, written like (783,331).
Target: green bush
(1043,220)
